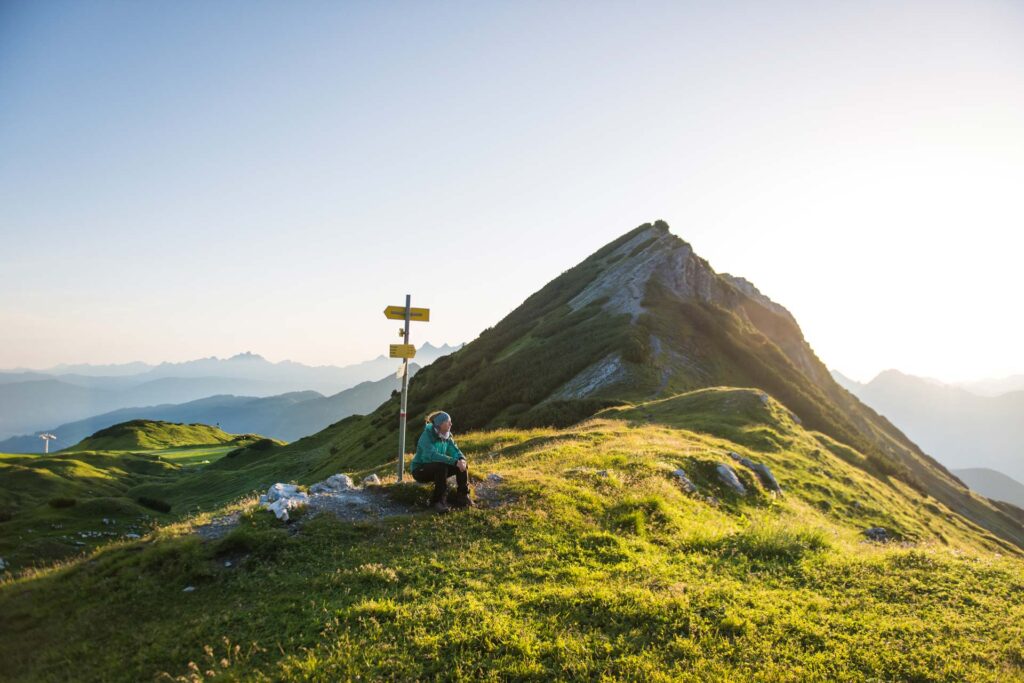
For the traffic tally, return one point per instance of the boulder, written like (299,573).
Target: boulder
(684,481)
(372,479)
(729,478)
(764,474)
(876,533)
(278,491)
(333,484)
(283,497)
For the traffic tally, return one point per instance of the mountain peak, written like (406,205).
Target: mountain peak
(247,356)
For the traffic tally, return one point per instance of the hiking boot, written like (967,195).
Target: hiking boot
(440,506)
(463,501)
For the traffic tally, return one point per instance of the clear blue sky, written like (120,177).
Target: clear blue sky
(201,178)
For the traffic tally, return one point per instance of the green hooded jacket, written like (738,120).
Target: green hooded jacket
(432,448)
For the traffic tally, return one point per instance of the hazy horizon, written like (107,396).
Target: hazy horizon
(195,180)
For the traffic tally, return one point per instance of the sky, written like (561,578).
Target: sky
(192,179)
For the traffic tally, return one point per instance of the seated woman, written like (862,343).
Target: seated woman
(437,458)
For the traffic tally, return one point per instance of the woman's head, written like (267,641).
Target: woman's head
(441,421)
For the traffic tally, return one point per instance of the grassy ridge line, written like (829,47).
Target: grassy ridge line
(137,435)
(582,575)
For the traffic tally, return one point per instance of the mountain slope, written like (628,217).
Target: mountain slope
(641,318)
(588,560)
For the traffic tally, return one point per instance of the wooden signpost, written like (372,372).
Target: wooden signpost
(405,352)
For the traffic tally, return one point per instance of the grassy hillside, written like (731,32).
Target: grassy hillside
(143,435)
(643,318)
(597,564)
(54,506)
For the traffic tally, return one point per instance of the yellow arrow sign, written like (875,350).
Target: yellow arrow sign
(402,350)
(398,313)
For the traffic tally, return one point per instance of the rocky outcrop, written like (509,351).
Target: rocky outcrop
(729,478)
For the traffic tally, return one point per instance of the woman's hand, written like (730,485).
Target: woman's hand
(461,464)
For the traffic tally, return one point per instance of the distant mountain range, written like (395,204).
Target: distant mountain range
(960,428)
(34,400)
(286,416)
(993,484)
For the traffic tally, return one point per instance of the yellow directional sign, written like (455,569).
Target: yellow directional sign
(398,313)
(402,350)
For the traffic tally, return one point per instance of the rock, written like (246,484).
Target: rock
(729,478)
(684,481)
(132,536)
(601,473)
(766,477)
(227,563)
(333,484)
(372,479)
(764,474)
(278,491)
(764,398)
(876,533)
(496,478)
(188,589)
(283,497)
(3,565)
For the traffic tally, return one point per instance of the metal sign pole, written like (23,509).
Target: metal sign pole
(405,394)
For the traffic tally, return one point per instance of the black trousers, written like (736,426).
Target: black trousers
(438,472)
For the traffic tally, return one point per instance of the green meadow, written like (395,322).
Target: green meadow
(587,560)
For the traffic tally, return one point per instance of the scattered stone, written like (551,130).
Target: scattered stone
(278,491)
(333,483)
(227,563)
(601,473)
(3,565)
(729,478)
(766,477)
(684,481)
(108,521)
(764,474)
(496,478)
(371,480)
(764,398)
(280,498)
(132,536)
(876,533)
(188,589)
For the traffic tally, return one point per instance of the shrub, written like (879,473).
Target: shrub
(154,503)
(62,502)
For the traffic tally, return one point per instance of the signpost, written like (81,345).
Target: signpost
(405,352)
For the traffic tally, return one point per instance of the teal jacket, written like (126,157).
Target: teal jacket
(432,448)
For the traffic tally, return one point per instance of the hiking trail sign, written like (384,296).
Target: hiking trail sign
(402,350)
(405,352)
(420,315)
